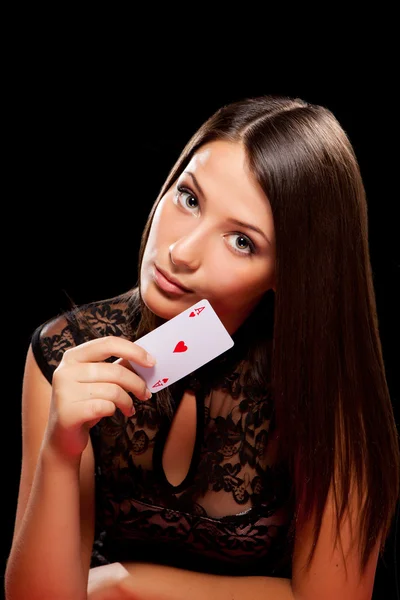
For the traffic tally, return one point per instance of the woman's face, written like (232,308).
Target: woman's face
(195,240)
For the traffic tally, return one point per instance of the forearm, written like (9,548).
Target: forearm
(153,582)
(45,559)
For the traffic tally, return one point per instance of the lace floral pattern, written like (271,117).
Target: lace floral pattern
(233,466)
(54,347)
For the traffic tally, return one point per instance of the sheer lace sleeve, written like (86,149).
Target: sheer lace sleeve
(96,319)
(49,342)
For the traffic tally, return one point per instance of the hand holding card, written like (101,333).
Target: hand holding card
(182,345)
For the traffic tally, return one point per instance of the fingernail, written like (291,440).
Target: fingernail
(150,360)
(148,393)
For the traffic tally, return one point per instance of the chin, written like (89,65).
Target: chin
(162,305)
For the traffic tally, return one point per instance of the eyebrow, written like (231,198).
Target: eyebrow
(234,221)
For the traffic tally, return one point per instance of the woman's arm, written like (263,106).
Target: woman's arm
(45,560)
(53,536)
(155,582)
(50,552)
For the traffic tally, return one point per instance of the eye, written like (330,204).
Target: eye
(243,245)
(185,198)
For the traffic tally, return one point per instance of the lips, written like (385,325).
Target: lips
(173,280)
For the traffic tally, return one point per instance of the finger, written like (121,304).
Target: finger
(86,412)
(110,392)
(102,348)
(113,373)
(125,363)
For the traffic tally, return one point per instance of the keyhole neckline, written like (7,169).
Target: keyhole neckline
(160,442)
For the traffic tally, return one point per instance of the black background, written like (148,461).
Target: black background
(94,129)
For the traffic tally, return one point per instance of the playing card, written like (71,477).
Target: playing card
(182,345)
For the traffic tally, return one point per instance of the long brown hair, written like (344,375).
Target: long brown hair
(333,407)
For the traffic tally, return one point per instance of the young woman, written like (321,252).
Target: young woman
(273,470)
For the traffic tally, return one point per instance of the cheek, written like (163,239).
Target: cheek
(164,220)
(157,228)
(228,280)
(239,284)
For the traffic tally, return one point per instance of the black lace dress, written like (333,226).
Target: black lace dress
(232,512)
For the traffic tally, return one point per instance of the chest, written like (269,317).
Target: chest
(216,456)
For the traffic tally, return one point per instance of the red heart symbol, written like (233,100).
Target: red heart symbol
(192,314)
(180,347)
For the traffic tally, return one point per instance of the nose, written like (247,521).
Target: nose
(188,250)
